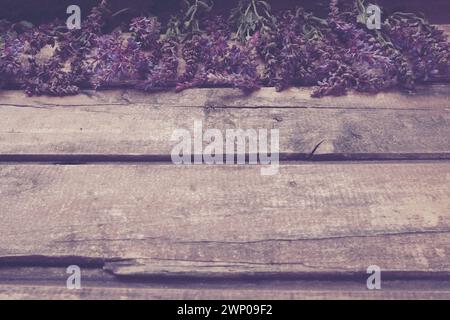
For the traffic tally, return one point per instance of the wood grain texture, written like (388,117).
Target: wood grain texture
(106,124)
(229,221)
(49,282)
(434,96)
(154,231)
(344,292)
(445,28)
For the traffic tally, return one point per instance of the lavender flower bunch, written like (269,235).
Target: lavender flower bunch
(10,50)
(253,47)
(117,59)
(212,61)
(424,46)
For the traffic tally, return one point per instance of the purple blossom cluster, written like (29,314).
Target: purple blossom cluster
(117,59)
(212,61)
(424,46)
(10,53)
(253,47)
(164,69)
(146,31)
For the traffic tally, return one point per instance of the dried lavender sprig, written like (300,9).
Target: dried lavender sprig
(251,16)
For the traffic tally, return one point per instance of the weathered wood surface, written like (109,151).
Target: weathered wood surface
(435,96)
(134,224)
(229,221)
(128,123)
(308,292)
(49,282)
(445,28)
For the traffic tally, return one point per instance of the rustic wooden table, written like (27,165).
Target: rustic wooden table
(87,181)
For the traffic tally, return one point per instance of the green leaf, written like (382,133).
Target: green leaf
(26,24)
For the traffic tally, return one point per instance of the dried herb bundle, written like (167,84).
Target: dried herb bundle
(254,46)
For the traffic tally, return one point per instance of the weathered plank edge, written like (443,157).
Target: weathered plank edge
(433,96)
(50,283)
(140,133)
(24,291)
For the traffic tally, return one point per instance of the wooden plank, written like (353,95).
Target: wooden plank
(144,130)
(229,221)
(446,29)
(434,96)
(344,292)
(50,283)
